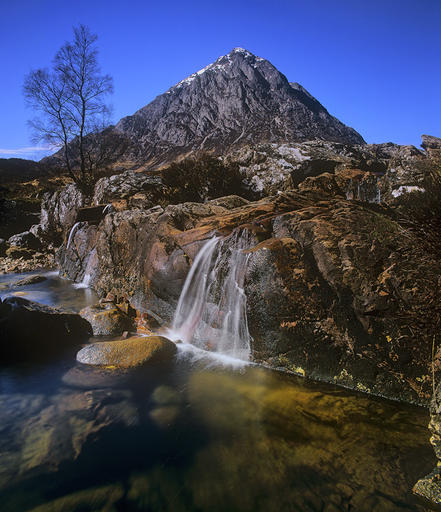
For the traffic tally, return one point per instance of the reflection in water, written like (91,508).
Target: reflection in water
(188,437)
(54,291)
(202,435)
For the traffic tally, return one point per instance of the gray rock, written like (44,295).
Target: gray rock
(59,210)
(25,240)
(430,142)
(124,185)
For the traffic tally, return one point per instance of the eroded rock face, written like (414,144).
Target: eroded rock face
(59,210)
(124,185)
(145,256)
(336,289)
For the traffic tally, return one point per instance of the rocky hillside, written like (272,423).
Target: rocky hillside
(340,288)
(19,169)
(239,99)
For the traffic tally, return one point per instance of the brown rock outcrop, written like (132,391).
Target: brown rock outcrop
(337,290)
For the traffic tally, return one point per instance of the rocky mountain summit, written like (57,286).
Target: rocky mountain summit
(237,100)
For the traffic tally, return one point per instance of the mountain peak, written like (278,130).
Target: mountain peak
(238,99)
(242,51)
(220,64)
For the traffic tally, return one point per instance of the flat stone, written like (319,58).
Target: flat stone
(30,280)
(136,351)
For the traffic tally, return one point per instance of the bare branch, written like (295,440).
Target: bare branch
(70,99)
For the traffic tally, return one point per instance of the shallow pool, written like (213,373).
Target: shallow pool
(200,434)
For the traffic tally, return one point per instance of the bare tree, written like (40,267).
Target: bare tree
(70,98)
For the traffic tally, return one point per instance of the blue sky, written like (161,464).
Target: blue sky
(373,64)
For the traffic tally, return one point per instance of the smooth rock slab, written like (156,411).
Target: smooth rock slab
(128,353)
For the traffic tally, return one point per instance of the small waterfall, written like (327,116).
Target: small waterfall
(90,266)
(71,234)
(211,312)
(107,209)
(366,189)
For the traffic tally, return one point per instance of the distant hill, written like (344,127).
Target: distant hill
(19,170)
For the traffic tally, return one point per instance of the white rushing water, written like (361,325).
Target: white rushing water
(90,268)
(71,234)
(211,312)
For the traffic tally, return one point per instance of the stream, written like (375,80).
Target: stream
(204,433)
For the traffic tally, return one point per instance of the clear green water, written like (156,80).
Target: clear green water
(197,435)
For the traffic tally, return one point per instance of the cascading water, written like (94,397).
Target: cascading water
(90,268)
(211,312)
(71,234)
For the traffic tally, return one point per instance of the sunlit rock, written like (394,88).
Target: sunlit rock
(128,353)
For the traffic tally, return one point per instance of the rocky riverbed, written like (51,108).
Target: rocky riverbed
(200,432)
(341,282)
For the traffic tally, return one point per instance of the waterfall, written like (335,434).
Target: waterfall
(71,234)
(90,267)
(211,312)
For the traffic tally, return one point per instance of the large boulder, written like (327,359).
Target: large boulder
(124,185)
(128,353)
(107,319)
(29,330)
(59,210)
(432,145)
(25,240)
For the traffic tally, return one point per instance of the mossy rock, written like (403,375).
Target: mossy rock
(429,487)
(107,320)
(132,352)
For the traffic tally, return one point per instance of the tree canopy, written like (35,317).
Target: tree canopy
(70,98)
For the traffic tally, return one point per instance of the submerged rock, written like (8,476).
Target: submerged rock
(429,487)
(97,498)
(29,330)
(107,319)
(30,280)
(40,432)
(92,377)
(128,353)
